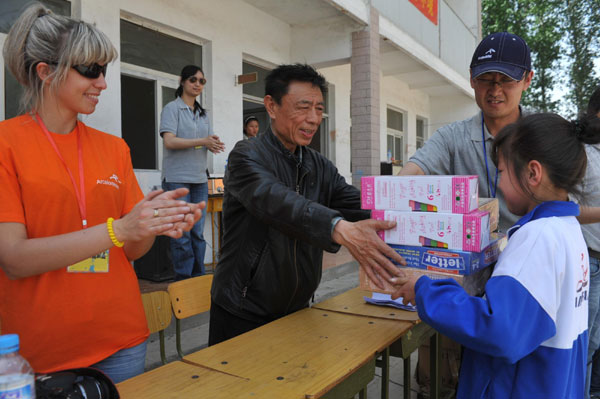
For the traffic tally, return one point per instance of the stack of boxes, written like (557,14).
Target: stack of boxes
(441,230)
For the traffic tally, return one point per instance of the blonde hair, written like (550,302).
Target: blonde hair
(39,35)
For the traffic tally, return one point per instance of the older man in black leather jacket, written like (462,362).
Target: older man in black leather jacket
(284,204)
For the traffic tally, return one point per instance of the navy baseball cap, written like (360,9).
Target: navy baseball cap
(502,52)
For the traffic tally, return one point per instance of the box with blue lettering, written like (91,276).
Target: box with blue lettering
(469,269)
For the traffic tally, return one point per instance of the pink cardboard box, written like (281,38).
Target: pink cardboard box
(470,232)
(446,194)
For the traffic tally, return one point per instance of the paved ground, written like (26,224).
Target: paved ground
(335,280)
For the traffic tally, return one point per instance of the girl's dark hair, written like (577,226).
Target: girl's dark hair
(187,72)
(552,141)
(594,103)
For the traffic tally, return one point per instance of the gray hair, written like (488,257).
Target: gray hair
(39,35)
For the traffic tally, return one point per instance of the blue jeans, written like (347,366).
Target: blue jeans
(593,326)
(187,252)
(124,364)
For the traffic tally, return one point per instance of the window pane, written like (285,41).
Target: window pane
(256,89)
(168,95)
(316,143)
(394,120)
(151,49)
(420,128)
(259,111)
(398,148)
(11,9)
(138,120)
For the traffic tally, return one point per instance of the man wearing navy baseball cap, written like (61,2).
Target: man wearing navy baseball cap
(500,73)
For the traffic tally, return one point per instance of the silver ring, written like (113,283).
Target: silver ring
(156,213)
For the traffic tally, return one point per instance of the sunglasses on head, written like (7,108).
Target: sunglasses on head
(194,79)
(91,71)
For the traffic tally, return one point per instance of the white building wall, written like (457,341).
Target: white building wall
(105,15)
(397,95)
(457,39)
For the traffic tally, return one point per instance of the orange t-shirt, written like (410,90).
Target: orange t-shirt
(64,319)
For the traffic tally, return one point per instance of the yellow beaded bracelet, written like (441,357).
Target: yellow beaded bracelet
(111,233)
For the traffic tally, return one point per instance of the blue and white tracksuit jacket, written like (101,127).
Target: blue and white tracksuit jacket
(527,337)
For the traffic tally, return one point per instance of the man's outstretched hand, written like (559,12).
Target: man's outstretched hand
(368,249)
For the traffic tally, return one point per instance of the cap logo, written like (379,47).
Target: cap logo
(488,54)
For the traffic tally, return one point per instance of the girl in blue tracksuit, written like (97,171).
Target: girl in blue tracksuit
(527,337)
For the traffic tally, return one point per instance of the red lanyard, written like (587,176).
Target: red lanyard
(80,194)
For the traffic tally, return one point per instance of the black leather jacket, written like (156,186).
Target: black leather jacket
(277,214)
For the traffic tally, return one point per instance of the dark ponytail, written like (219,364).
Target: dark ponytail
(187,72)
(586,129)
(551,140)
(594,103)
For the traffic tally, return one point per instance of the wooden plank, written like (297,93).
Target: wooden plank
(305,353)
(157,306)
(214,204)
(191,296)
(178,380)
(353,302)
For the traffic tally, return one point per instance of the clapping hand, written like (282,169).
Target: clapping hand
(215,145)
(159,213)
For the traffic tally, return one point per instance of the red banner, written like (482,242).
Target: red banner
(429,8)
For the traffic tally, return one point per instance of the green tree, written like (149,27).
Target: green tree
(539,23)
(581,19)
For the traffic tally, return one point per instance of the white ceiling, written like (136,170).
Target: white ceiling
(297,12)
(401,65)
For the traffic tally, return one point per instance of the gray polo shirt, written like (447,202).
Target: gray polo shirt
(187,165)
(590,189)
(457,149)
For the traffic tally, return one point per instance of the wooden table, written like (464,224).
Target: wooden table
(178,380)
(215,205)
(352,302)
(309,354)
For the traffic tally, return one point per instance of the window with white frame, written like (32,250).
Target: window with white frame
(151,62)
(253,94)
(396,136)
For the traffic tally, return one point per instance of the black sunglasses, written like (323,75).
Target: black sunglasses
(91,71)
(194,79)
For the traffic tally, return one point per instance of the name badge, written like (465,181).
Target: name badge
(95,264)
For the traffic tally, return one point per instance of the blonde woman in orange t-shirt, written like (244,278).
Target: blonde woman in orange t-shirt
(73,216)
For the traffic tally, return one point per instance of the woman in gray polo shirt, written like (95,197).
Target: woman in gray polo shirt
(187,136)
